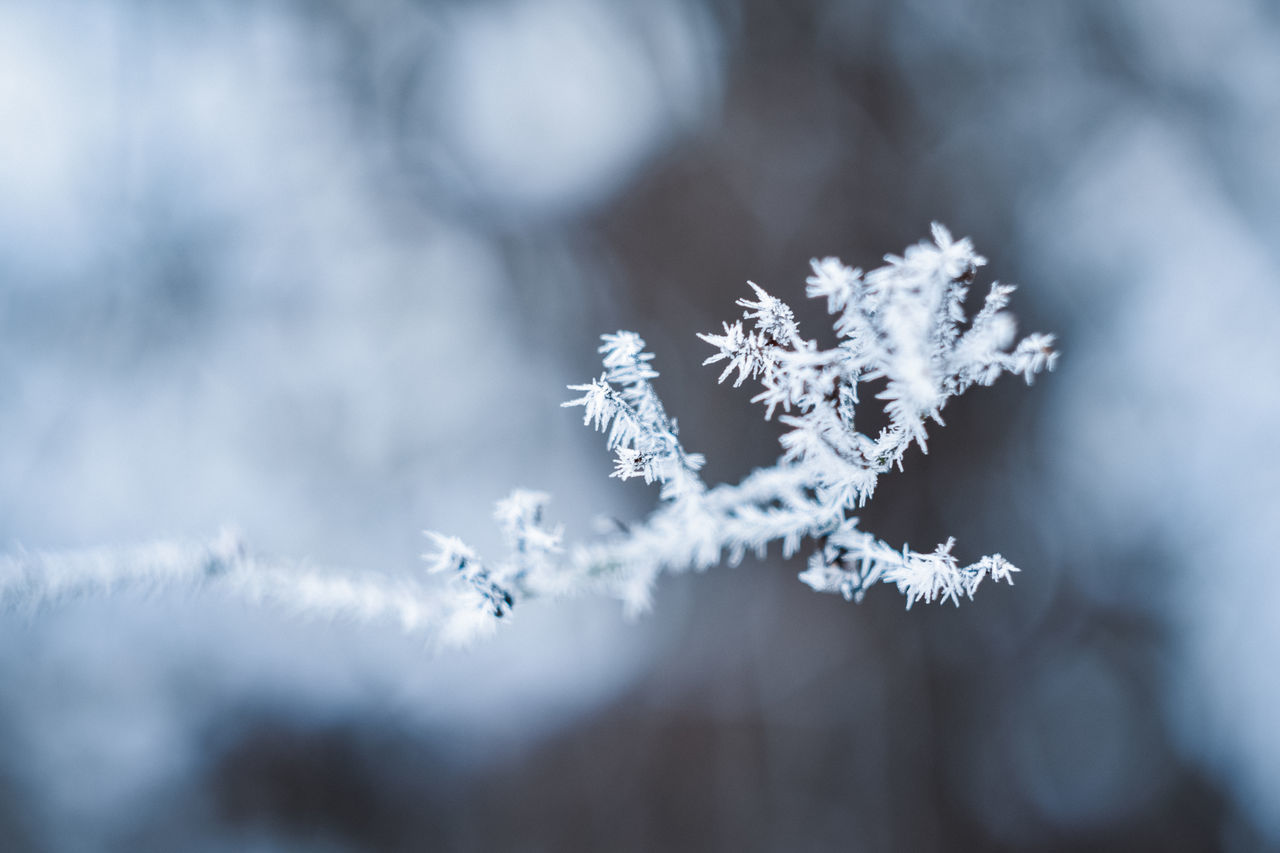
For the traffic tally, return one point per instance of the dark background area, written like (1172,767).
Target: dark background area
(322,269)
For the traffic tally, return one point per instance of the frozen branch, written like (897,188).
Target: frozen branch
(902,325)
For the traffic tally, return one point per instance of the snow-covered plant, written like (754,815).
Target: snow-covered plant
(901,328)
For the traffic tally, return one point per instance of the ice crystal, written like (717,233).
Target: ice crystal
(901,325)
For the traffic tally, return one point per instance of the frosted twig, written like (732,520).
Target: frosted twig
(902,325)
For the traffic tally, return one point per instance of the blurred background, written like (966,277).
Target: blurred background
(322,270)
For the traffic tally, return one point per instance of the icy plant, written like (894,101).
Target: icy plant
(901,326)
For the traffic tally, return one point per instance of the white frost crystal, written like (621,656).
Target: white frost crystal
(902,325)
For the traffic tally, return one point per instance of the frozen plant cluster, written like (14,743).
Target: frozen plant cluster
(900,328)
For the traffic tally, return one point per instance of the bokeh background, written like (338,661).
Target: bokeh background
(322,268)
